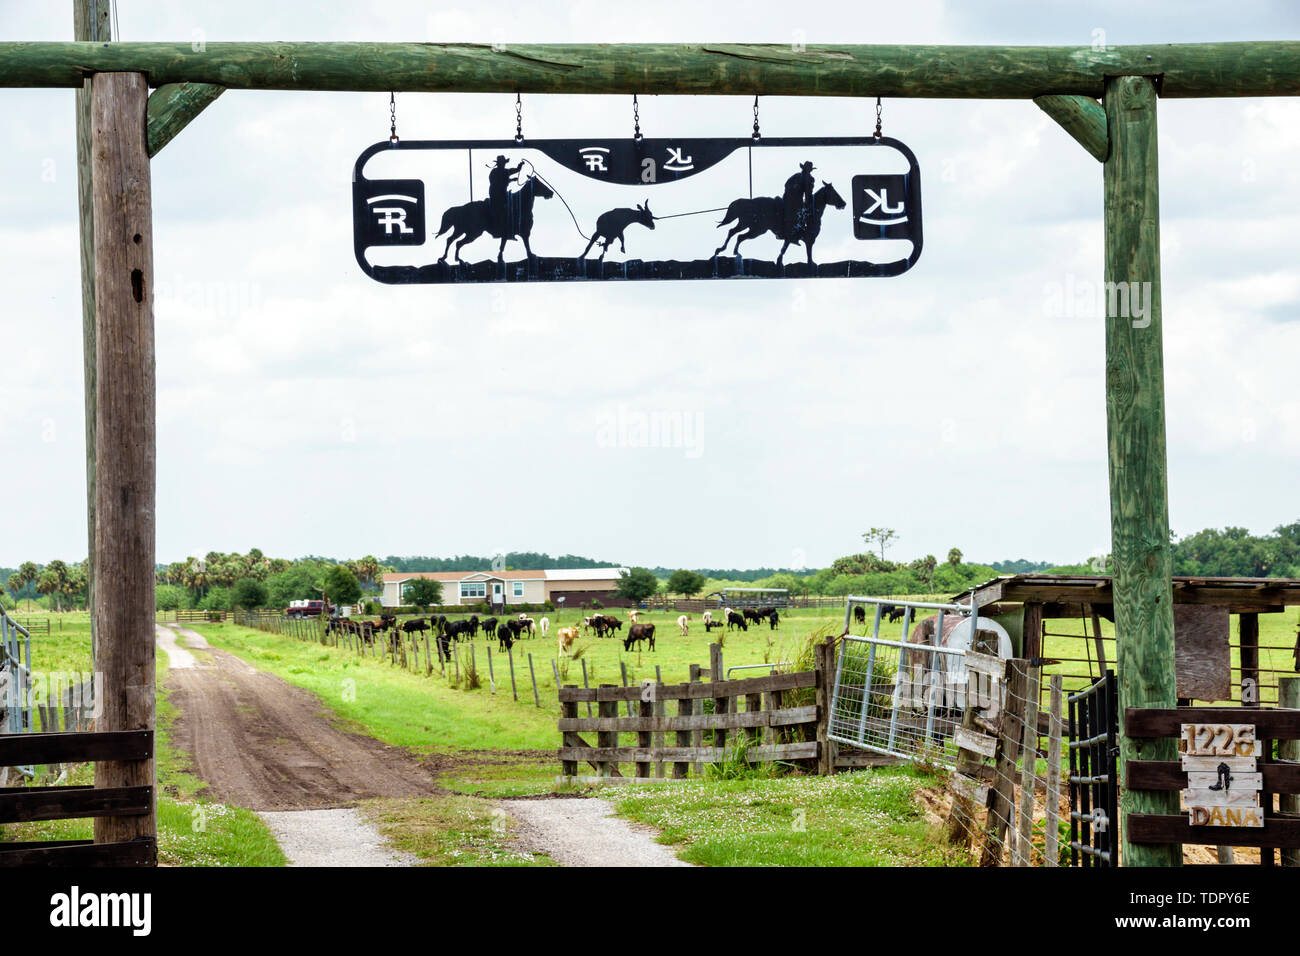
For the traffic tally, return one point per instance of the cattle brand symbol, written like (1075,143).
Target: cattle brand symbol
(557,210)
(389,212)
(594,157)
(678,163)
(884,206)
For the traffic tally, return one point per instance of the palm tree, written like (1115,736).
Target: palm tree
(954,556)
(48,583)
(26,574)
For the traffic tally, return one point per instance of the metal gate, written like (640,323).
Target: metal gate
(1094,756)
(896,697)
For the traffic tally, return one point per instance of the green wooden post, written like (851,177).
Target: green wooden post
(1135,416)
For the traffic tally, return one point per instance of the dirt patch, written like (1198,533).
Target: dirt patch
(264,744)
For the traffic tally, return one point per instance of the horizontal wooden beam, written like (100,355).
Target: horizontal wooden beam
(952,72)
(171,108)
(141,852)
(70,803)
(81,747)
(1160,828)
(1275,723)
(1170,775)
(1080,116)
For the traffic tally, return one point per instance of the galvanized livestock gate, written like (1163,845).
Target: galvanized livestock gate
(1106,99)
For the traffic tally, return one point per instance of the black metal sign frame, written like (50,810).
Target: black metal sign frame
(393,212)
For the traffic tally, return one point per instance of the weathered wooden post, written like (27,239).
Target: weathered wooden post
(90,21)
(1135,416)
(123,556)
(1288,695)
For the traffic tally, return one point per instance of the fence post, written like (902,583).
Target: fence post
(606,738)
(1051,828)
(720,704)
(697,736)
(514,691)
(569,710)
(646,708)
(492,677)
(537,700)
(1288,695)
(1000,805)
(585,685)
(1028,776)
(825,758)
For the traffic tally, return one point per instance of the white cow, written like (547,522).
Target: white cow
(708,618)
(544,625)
(681,623)
(631,615)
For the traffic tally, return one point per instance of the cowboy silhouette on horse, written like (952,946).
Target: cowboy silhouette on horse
(504,215)
(499,196)
(798,199)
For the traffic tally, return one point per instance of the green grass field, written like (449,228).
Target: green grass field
(494,745)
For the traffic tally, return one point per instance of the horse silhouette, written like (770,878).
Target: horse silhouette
(754,217)
(469,221)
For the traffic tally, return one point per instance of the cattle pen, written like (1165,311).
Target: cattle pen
(1106,99)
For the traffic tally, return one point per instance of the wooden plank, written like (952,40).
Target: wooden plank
(1168,775)
(1150,828)
(963,72)
(68,803)
(78,747)
(1270,722)
(730,721)
(684,712)
(1240,781)
(981,744)
(1202,662)
(569,709)
(616,755)
(1245,797)
(138,852)
(125,434)
(1211,764)
(699,689)
(1085,120)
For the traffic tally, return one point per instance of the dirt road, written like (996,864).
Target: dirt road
(264,744)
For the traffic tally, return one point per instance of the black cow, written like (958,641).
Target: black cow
(710,625)
(417,626)
(736,620)
(773,619)
(490,627)
(893,612)
(860,614)
(473,625)
(637,633)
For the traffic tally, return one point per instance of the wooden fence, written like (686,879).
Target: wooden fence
(195,616)
(23,804)
(779,717)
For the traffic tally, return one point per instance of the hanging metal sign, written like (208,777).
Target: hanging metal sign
(450,211)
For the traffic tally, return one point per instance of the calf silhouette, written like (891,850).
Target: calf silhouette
(610,226)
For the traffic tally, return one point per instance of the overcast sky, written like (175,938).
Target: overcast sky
(304,408)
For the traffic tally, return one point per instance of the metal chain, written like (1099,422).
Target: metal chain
(636,119)
(877,117)
(757,134)
(392,119)
(519,119)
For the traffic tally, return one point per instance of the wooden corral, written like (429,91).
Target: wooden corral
(1204,640)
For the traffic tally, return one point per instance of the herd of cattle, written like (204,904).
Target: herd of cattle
(507,631)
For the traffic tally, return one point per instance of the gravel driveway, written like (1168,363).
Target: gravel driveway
(576,831)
